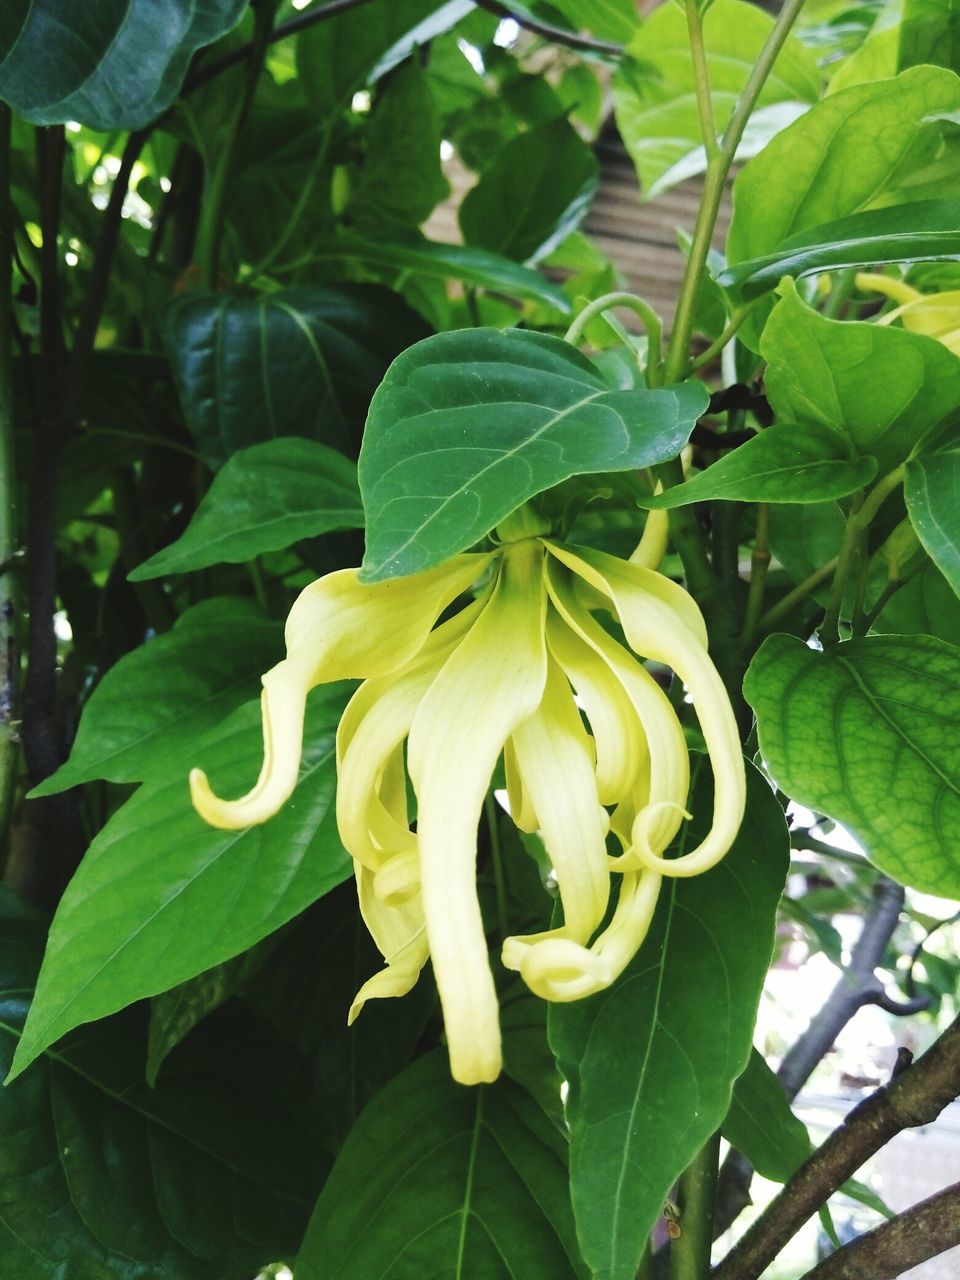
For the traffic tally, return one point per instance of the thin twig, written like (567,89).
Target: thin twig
(556,35)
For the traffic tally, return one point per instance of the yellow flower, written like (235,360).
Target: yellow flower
(508,673)
(935,314)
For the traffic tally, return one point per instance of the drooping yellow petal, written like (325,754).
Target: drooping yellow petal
(646,604)
(935,314)
(890,286)
(554,756)
(338,629)
(400,933)
(492,681)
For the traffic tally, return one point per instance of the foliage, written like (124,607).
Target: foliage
(238,353)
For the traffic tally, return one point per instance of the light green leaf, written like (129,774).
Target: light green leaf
(924,231)
(436,261)
(114,65)
(832,172)
(264,498)
(655,96)
(884,388)
(535,191)
(160,896)
(608,19)
(930,33)
(877,57)
(932,491)
(868,733)
(436,1179)
(170,691)
(784,463)
(651,1062)
(296,362)
(468,425)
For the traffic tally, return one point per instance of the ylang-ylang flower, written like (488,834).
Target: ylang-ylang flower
(594,756)
(935,314)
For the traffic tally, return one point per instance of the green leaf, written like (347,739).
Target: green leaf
(535,191)
(426,258)
(931,487)
(436,1179)
(785,463)
(884,388)
(761,1125)
(297,362)
(930,33)
(608,19)
(265,498)
(868,733)
(651,1062)
(170,691)
(655,96)
(160,896)
(831,172)
(468,425)
(115,65)
(107,1179)
(925,604)
(926,230)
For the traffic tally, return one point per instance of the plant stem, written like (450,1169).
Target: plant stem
(9,663)
(729,331)
(794,597)
(690,1252)
(701,75)
(549,32)
(759,564)
(303,199)
(858,522)
(651,323)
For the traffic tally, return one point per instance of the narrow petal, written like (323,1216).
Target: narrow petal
(555,759)
(492,681)
(652,546)
(400,933)
(898,290)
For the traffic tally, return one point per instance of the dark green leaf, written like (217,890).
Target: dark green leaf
(437,1179)
(609,19)
(265,498)
(884,388)
(930,33)
(113,65)
(469,425)
(651,1062)
(170,691)
(924,231)
(925,604)
(107,1179)
(761,1125)
(785,463)
(537,190)
(831,172)
(868,733)
(297,362)
(932,489)
(160,896)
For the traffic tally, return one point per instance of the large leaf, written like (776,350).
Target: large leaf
(655,96)
(468,425)
(610,19)
(785,463)
(761,1125)
(535,191)
(868,733)
(651,1062)
(297,362)
(170,691)
(440,1180)
(114,65)
(160,896)
(106,1179)
(930,33)
(427,258)
(932,488)
(265,498)
(884,388)
(832,172)
(925,604)
(927,230)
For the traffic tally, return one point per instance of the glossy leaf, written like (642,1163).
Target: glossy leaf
(924,231)
(868,733)
(534,192)
(116,65)
(438,1179)
(884,388)
(931,488)
(761,1125)
(468,425)
(832,172)
(297,362)
(265,498)
(784,463)
(655,96)
(161,897)
(107,1179)
(427,258)
(170,691)
(651,1062)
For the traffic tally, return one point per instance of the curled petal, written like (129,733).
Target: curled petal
(400,933)
(492,681)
